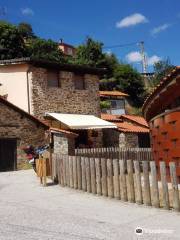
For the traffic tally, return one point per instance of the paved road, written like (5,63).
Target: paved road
(29,211)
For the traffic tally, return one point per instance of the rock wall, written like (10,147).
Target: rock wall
(63,99)
(63,144)
(114,138)
(15,125)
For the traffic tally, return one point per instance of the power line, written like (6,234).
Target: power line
(121,45)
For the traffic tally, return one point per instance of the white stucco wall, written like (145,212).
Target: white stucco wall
(14,83)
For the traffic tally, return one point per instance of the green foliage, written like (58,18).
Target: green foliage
(105,104)
(11,42)
(91,53)
(130,81)
(45,49)
(20,41)
(161,69)
(25,30)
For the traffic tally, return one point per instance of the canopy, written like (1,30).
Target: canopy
(79,121)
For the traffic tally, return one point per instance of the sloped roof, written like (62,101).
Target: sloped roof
(56,65)
(22,112)
(128,123)
(127,127)
(112,94)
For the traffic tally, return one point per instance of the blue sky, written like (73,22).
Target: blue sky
(113,22)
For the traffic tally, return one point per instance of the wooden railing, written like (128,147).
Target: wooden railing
(128,180)
(140,154)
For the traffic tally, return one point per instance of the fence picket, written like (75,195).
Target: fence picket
(71,171)
(147,192)
(75,182)
(88,174)
(79,172)
(93,175)
(116,181)
(98,176)
(110,178)
(176,202)
(130,181)
(123,188)
(139,199)
(155,190)
(84,186)
(164,185)
(104,177)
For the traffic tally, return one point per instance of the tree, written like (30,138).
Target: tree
(45,50)
(25,29)
(11,42)
(91,53)
(130,81)
(161,69)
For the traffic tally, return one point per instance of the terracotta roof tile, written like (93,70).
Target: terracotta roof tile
(128,123)
(112,94)
(127,127)
(119,118)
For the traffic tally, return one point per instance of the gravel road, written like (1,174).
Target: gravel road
(30,211)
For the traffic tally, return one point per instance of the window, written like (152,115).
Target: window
(53,79)
(79,82)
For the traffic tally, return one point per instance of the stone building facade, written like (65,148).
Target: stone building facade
(22,128)
(65,98)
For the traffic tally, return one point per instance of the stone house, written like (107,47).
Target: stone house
(132,131)
(18,129)
(42,88)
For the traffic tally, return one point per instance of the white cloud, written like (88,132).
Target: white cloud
(160,28)
(132,20)
(27,11)
(135,57)
(152,60)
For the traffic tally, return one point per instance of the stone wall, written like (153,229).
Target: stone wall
(114,138)
(14,125)
(63,144)
(63,99)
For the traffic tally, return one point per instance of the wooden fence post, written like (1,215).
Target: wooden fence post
(116,179)
(93,175)
(64,170)
(176,202)
(104,177)
(67,170)
(155,190)
(110,177)
(130,180)
(98,176)
(88,174)
(71,171)
(147,192)
(75,181)
(139,198)
(123,186)
(164,185)
(79,172)
(84,186)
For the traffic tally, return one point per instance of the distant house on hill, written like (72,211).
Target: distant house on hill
(117,101)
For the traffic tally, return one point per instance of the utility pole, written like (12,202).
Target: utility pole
(144,63)
(144,60)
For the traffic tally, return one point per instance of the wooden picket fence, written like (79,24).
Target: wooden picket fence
(140,154)
(120,179)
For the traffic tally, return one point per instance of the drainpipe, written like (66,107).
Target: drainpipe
(28,94)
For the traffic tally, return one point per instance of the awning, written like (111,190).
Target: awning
(79,121)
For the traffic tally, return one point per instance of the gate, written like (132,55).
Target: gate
(8,154)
